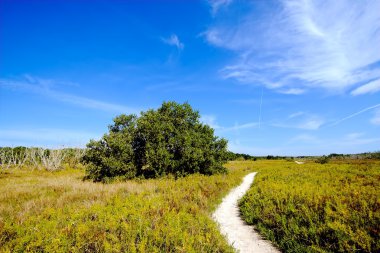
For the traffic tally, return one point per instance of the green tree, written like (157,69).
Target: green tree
(113,156)
(169,140)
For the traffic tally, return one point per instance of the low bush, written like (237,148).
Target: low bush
(323,159)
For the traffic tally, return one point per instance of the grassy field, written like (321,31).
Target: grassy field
(334,207)
(57,212)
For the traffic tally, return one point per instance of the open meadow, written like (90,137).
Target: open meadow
(43,211)
(312,207)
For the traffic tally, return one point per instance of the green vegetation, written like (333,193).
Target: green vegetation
(238,156)
(323,159)
(314,207)
(43,211)
(319,206)
(169,140)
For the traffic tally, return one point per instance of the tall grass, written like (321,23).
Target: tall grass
(44,211)
(333,207)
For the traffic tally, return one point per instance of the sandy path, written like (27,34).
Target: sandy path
(240,235)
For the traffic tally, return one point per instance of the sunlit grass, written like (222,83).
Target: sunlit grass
(309,207)
(58,212)
(333,207)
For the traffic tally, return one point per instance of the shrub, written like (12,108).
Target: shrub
(323,159)
(169,140)
(113,155)
(240,158)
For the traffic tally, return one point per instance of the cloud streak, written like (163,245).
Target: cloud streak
(303,45)
(355,114)
(173,40)
(348,143)
(211,121)
(216,5)
(370,87)
(302,120)
(46,87)
(237,127)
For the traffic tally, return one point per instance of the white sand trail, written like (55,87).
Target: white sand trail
(240,235)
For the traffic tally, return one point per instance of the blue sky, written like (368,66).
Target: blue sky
(279,77)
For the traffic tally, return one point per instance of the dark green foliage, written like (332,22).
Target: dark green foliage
(16,153)
(323,159)
(169,140)
(336,156)
(113,155)
(237,156)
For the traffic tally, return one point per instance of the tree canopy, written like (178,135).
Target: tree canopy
(169,140)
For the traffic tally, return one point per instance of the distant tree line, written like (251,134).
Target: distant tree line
(241,156)
(320,159)
(366,155)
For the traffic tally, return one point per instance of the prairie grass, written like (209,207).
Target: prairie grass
(333,207)
(44,211)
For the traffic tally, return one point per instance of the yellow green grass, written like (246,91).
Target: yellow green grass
(58,212)
(311,207)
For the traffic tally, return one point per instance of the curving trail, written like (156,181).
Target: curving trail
(240,235)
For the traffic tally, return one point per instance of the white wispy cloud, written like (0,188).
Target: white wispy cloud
(292,91)
(173,40)
(353,136)
(352,139)
(310,144)
(349,143)
(240,126)
(217,4)
(210,120)
(296,114)
(302,120)
(355,114)
(295,46)
(237,147)
(47,87)
(370,87)
(311,124)
(304,138)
